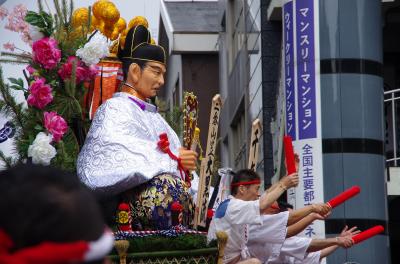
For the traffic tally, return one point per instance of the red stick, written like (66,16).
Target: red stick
(344,196)
(289,155)
(373,231)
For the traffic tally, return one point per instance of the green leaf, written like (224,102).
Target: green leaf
(17,84)
(38,127)
(53,82)
(41,20)
(17,87)
(13,80)
(32,18)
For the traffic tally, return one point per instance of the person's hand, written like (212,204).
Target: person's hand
(188,159)
(290,181)
(344,242)
(349,232)
(317,216)
(321,208)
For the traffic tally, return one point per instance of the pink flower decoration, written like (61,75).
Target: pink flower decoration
(9,46)
(3,12)
(93,69)
(83,73)
(40,93)
(46,53)
(16,21)
(55,124)
(30,69)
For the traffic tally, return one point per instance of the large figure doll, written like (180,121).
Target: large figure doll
(122,155)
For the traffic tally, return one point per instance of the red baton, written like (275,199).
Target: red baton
(289,155)
(344,196)
(373,231)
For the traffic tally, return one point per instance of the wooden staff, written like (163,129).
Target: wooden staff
(207,164)
(222,238)
(122,249)
(254,144)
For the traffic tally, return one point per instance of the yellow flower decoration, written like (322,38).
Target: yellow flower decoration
(114,47)
(107,32)
(123,217)
(95,22)
(121,24)
(122,39)
(139,20)
(79,32)
(98,7)
(110,14)
(80,17)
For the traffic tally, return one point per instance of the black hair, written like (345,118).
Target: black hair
(39,204)
(242,176)
(126,63)
(284,206)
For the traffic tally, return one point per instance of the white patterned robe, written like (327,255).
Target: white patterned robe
(120,151)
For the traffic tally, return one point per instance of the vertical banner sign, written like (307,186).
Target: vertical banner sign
(289,70)
(303,110)
(207,163)
(289,81)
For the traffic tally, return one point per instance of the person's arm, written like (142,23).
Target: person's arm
(345,232)
(302,224)
(272,187)
(267,199)
(297,215)
(276,184)
(319,244)
(327,251)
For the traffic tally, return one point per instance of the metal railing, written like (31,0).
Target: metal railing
(392,111)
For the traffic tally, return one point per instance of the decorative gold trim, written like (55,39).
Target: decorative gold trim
(163,63)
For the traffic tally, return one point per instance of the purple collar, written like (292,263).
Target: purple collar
(144,106)
(141,104)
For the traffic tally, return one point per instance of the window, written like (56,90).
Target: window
(235,30)
(239,143)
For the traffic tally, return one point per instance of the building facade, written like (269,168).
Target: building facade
(240,80)
(358,49)
(189,32)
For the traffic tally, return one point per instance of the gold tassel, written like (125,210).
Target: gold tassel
(222,238)
(122,249)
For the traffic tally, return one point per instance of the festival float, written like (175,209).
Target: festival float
(70,71)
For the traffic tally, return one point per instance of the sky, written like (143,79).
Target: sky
(127,8)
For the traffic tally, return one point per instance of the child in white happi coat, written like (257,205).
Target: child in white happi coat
(296,249)
(243,208)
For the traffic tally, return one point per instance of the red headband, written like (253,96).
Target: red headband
(246,183)
(50,252)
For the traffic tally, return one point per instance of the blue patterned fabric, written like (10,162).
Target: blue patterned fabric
(151,203)
(221,210)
